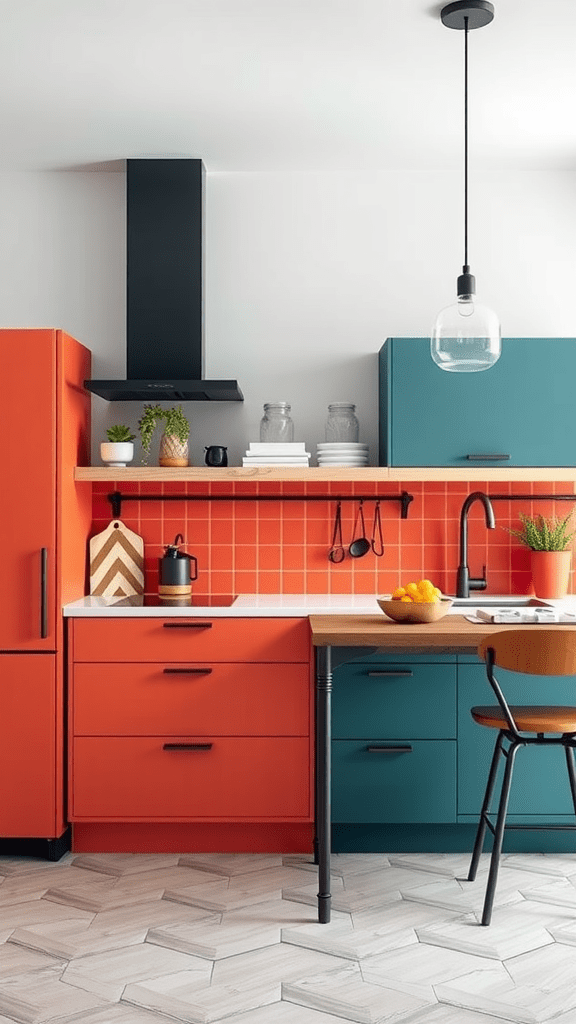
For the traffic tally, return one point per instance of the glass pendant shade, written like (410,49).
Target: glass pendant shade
(466,337)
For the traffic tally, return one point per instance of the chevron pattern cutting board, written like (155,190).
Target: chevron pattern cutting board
(116,562)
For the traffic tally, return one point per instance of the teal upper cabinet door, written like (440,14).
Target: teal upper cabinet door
(522,409)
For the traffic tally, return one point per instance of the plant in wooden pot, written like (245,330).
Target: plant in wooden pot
(550,557)
(174,440)
(118,449)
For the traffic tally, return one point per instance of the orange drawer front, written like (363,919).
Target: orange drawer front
(235,778)
(194,639)
(124,699)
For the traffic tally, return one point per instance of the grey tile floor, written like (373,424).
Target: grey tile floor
(145,939)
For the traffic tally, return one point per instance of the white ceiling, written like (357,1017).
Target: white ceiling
(284,84)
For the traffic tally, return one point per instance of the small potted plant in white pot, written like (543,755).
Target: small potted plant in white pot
(119,449)
(549,553)
(174,440)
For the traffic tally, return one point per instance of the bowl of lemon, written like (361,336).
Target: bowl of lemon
(416,602)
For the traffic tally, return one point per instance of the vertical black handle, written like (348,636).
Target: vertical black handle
(44,593)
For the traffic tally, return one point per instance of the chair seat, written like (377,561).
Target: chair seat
(528,718)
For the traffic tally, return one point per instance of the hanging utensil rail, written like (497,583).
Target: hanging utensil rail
(117,497)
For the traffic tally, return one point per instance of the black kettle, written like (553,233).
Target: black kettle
(176,570)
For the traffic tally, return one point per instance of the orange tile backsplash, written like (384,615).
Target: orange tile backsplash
(281,546)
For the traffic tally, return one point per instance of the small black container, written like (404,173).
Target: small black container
(216,455)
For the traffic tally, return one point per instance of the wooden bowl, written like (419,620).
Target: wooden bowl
(404,611)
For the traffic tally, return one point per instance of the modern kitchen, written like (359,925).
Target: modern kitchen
(283,598)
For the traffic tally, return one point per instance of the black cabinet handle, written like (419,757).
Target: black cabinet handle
(493,458)
(187,671)
(392,672)
(187,746)
(389,750)
(44,593)
(187,625)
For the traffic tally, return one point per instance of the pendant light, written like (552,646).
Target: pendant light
(466,336)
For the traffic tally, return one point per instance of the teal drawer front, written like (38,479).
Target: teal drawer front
(530,385)
(392,699)
(540,781)
(374,786)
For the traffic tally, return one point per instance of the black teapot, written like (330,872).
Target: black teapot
(216,455)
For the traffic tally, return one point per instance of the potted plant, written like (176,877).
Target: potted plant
(119,449)
(174,440)
(548,541)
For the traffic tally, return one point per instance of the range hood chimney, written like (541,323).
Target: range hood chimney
(165,289)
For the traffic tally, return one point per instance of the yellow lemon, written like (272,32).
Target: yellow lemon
(398,593)
(406,598)
(412,590)
(426,589)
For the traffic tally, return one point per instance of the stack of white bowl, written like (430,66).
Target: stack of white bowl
(342,453)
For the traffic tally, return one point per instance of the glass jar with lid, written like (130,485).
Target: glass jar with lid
(276,424)
(342,423)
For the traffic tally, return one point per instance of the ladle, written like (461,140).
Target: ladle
(359,545)
(337,553)
(377,545)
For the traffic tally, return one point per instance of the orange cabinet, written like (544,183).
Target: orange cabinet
(178,639)
(45,517)
(126,699)
(190,720)
(28,747)
(224,777)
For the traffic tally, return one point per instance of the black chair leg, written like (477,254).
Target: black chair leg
(569,751)
(499,834)
(481,832)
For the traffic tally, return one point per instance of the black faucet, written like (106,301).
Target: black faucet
(464,582)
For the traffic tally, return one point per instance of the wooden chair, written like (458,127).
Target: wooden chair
(536,651)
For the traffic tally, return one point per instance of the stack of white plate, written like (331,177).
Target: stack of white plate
(342,453)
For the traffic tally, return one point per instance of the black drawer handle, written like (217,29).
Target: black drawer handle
(187,671)
(493,458)
(43,593)
(187,625)
(389,750)
(187,746)
(403,673)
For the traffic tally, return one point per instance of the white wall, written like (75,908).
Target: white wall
(306,275)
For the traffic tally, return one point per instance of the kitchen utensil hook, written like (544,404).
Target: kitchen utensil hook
(377,545)
(337,553)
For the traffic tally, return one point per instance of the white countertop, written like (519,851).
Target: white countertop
(279,605)
(250,605)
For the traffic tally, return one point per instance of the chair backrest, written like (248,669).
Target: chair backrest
(534,649)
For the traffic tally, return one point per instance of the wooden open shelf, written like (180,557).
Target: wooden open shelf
(371,474)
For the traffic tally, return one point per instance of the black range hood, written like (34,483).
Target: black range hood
(165,289)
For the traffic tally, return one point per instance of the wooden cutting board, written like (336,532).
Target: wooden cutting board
(116,562)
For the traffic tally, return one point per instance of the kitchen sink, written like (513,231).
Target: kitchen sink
(490,600)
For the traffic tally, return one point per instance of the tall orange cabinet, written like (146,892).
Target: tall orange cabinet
(45,518)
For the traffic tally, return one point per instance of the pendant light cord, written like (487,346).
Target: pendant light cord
(466,267)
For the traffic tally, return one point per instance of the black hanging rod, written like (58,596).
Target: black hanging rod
(116,498)
(532,497)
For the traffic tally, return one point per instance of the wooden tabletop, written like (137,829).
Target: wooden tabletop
(452,634)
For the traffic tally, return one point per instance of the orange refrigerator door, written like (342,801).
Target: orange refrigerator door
(28,504)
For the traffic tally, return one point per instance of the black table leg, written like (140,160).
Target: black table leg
(322,840)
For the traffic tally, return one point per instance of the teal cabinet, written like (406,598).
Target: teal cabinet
(394,740)
(522,407)
(394,699)
(390,781)
(540,790)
